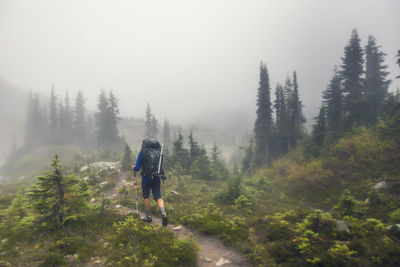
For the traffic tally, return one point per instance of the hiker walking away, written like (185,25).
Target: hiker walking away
(149,161)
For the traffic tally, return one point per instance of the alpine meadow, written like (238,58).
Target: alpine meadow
(200,133)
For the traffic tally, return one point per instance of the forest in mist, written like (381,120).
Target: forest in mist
(289,157)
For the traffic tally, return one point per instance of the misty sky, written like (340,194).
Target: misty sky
(186,58)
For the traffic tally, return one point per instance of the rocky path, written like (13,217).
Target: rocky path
(212,251)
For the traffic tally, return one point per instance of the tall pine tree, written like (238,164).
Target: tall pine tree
(107,120)
(375,83)
(53,118)
(167,135)
(295,115)
(263,125)
(282,134)
(352,71)
(333,101)
(318,134)
(151,124)
(79,126)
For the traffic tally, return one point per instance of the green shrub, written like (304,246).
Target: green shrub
(135,244)
(395,216)
(349,206)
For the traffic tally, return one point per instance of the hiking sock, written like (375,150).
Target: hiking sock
(163,211)
(148,214)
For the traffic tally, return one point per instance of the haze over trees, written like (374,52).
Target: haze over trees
(325,198)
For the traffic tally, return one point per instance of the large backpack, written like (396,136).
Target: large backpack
(151,151)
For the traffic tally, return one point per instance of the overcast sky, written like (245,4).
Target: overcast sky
(186,58)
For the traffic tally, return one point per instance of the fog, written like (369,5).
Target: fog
(189,59)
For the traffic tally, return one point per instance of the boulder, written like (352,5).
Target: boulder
(177,228)
(382,185)
(118,206)
(222,261)
(84,168)
(103,184)
(394,228)
(342,226)
(205,259)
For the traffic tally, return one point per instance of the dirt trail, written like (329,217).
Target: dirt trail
(212,251)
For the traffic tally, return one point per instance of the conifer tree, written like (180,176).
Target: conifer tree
(193,147)
(201,167)
(53,118)
(35,125)
(79,127)
(167,135)
(333,101)
(107,119)
(68,120)
(58,198)
(113,118)
(282,127)
(398,61)
(318,133)
(218,168)
(151,124)
(375,83)
(352,71)
(127,159)
(62,126)
(263,126)
(295,115)
(180,155)
(248,157)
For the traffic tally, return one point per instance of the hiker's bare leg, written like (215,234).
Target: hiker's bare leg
(160,202)
(147,204)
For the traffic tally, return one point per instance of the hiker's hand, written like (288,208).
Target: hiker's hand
(133,166)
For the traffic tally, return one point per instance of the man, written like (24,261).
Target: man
(152,171)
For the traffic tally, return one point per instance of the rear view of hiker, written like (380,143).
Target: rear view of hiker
(149,161)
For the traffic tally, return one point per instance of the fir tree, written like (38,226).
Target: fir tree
(127,159)
(58,198)
(351,72)
(218,168)
(62,127)
(113,118)
(180,155)
(80,133)
(248,157)
(282,127)
(193,147)
(107,119)
(35,126)
(263,126)
(398,61)
(167,135)
(318,133)
(375,83)
(68,120)
(151,124)
(295,115)
(333,101)
(53,118)
(201,167)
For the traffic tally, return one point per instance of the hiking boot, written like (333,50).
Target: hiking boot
(147,219)
(164,220)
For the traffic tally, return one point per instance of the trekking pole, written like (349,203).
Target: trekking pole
(135,186)
(160,160)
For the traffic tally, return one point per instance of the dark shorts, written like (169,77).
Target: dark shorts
(153,184)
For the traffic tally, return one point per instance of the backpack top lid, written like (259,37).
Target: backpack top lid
(150,144)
